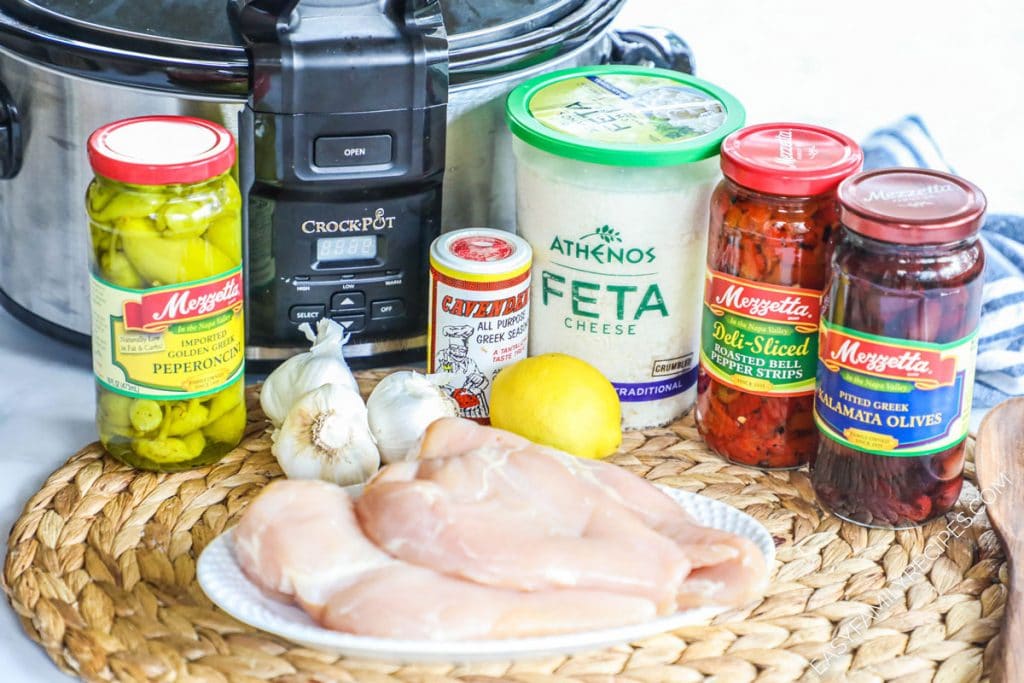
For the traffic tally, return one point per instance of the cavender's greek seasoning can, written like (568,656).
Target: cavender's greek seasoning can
(615,167)
(897,347)
(479,311)
(166,291)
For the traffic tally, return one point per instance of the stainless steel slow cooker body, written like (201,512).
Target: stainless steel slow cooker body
(51,99)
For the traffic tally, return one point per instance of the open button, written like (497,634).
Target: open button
(361,150)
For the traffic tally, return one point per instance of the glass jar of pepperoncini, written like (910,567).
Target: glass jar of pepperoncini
(166,290)
(774,218)
(898,344)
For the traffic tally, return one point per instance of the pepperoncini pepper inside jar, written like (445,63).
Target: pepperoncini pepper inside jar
(898,343)
(773,221)
(166,289)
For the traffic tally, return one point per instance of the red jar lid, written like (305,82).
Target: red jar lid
(911,206)
(161,150)
(789,159)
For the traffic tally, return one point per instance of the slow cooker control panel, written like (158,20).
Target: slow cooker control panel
(360,264)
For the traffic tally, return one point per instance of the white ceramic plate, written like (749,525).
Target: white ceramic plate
(225,584)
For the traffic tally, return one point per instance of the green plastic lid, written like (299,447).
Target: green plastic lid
(623,115)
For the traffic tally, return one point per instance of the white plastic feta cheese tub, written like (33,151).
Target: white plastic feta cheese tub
(615,167)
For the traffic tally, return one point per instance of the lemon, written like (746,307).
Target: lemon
(560,401)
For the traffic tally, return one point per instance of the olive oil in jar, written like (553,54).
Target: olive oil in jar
(166,290)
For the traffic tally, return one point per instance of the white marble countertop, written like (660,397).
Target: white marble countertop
(46,414)
(850,66)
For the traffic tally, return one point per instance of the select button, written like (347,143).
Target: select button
(305,314)
(362,150)
(389,308)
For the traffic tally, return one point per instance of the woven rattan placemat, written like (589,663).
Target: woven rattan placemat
(101,570)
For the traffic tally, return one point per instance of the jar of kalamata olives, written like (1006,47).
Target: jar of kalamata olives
(166,290)
(773,221)
(897,347)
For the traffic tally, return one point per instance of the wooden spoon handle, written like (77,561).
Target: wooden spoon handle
(999,457)
(1013,626)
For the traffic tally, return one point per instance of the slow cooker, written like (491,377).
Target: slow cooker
(67,67)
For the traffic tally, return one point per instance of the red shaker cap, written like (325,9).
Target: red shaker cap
(789,159)
(161,150)
(482,248)
(911,206)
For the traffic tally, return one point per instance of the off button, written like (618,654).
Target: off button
(390,308)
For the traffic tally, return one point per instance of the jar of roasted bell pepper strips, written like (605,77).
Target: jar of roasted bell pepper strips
(898,344)
(773,221)
(166,291)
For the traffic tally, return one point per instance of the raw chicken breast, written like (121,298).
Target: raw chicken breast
(519,519)
(300,539)
(405,601)
(727,569)
(592,522)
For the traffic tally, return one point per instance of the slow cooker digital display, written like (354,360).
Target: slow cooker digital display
(352,248)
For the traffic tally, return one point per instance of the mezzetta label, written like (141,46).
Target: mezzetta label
(759,338)
(891,396)
(180,341)
(156,311)
(925,367)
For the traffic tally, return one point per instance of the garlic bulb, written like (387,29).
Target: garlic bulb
(322,364)
(401,408)
(326,436)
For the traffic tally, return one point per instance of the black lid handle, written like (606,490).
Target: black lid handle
(651,46)
(10,135)
(261,19)
(340,56)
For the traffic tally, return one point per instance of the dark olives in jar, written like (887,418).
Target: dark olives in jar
(897,347)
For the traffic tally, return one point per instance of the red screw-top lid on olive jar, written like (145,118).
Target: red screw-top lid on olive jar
(789,159)
(911,206)
(161,150)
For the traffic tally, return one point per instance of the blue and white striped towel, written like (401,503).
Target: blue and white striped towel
(1001,335)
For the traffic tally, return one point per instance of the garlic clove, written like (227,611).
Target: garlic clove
(401,408)
(326,436)
(324,363)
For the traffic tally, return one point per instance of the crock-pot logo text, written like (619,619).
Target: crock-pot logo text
(377,222)
(157,311)
(600,246)
(926,368)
